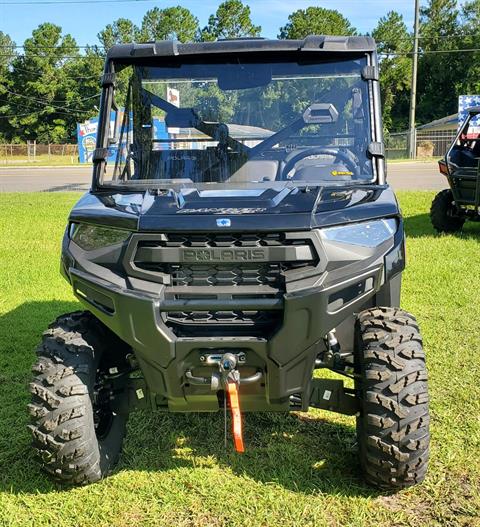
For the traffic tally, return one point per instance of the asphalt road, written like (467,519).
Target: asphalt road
(414,175)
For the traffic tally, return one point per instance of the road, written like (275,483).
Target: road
(414,175)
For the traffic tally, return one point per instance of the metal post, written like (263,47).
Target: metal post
(413,94)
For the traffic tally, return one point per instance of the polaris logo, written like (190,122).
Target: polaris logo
(223,255)
(224,222)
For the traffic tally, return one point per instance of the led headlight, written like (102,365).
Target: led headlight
(365,234)
(90,237)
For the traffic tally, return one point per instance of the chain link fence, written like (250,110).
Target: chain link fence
(31,152)
(434,143)
(428,143)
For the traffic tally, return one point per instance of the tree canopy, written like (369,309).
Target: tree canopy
(171,23)
(394,44)
(317,21)
(232,20)
(48,84)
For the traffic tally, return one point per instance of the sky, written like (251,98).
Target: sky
(84,21)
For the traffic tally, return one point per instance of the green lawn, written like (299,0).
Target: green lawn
(298,470)
(43,160)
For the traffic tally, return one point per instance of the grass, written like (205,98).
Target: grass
(299,470)
(416,160)
(43,160)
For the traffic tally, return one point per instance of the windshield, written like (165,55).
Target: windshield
(237,122)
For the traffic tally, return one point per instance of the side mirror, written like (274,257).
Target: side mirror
(320,113)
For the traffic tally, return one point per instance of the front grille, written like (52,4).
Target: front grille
(221,274)
(224,240)
(195,323)
(211,275)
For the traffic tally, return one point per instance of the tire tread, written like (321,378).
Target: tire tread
(393,426)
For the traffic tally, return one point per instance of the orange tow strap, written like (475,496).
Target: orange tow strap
(233,399)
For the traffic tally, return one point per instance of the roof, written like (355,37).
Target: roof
(449,122)
(172,48)
(474,109)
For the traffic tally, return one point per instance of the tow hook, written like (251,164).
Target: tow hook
(228,379)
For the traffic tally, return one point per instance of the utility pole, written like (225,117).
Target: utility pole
(413,94)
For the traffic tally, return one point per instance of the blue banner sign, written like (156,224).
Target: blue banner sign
(87,137)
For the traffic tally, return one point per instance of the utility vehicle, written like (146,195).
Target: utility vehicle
(244,241)
(452,207)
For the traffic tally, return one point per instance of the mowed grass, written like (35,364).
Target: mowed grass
(43,160)
(299,469)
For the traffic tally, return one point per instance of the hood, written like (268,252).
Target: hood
(250,209)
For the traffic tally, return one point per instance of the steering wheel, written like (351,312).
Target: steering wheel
(292,159)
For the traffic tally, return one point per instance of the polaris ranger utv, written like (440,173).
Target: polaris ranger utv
(244,241)
(452,207)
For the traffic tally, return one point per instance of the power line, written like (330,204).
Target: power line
(381,53)
(37,112)
(59,112)
(50,103)
(22,46)
(18,115)
(44,2)
(427,52)
(41,73)
(31,55)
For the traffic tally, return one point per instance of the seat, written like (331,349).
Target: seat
(255,170)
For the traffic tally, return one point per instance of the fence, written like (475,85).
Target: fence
(438,141)
(396,146)
(32,152)
(428,143)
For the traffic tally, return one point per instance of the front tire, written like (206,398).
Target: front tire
(443,213)
(393,425)
(76,435)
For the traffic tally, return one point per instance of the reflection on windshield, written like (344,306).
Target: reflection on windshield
(242,124)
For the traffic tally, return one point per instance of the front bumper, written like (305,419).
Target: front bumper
(311,307)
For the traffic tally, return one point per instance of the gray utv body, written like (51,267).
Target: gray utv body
(251,275)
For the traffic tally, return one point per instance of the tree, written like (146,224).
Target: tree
(42,96)
(7,54)
(316,21)
(469,83)
(7,51)
(172,23)
(231,20)
(439,71)
(121,31)
(87,72)
(394,43)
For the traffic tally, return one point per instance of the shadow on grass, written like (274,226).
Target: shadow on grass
(419,226)
(297,451)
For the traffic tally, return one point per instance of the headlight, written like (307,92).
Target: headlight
(365,234)
(89,237)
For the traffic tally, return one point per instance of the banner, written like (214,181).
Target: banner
(464,103)
(87,137)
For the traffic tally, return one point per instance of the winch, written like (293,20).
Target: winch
(227,378)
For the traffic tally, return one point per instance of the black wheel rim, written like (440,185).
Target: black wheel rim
(102,412)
